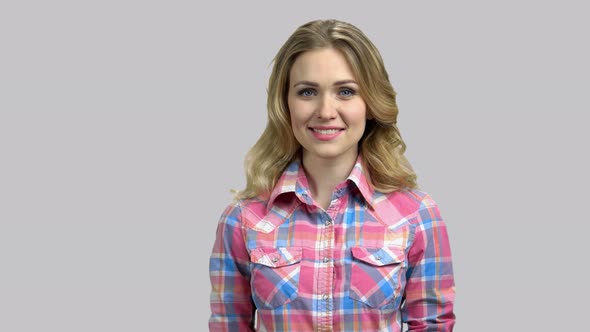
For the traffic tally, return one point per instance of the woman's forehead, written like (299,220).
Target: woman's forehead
(325,64)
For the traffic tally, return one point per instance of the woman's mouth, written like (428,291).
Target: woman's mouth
(326,131)
(326,134)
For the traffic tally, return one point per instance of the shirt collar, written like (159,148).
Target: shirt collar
(293,180)
(360,178)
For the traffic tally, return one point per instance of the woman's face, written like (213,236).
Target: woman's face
(328,114)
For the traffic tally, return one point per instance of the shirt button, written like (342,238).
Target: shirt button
(274,259)
(378,258)
(326,259)
(325,297)
(328,222)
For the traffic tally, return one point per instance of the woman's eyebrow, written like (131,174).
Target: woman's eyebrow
(314,84)
(345,82)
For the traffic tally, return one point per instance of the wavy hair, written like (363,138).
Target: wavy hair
(381,145)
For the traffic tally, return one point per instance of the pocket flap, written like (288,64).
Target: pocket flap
(275,257)
(379,256)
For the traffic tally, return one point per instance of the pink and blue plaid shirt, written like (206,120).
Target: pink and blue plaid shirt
(368,263)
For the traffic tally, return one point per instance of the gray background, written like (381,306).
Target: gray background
(123,126)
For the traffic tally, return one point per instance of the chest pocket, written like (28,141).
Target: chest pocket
(376,275)
(275,275)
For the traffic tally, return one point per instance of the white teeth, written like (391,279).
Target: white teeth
(326,131)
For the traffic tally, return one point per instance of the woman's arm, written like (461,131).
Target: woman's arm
(430,286)
(231,304)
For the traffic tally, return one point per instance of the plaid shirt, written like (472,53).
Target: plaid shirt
(368,263)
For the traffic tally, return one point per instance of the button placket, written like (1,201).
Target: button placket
(328,220)
(325,283)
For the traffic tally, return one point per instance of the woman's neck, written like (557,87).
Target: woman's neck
(325,174)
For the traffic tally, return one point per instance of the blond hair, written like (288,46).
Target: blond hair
(381,145)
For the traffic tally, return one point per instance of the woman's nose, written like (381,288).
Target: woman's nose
(327,108)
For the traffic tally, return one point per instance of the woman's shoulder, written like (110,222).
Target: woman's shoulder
(245,209)
(400,205)
(409,198)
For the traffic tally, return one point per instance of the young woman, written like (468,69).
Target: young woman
(330,233)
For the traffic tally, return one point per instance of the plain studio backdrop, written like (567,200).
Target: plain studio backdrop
(124,124)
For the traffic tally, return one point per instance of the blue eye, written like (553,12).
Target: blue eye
(347,92)
(307,92)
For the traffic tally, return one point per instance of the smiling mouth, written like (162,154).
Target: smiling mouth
(325,131)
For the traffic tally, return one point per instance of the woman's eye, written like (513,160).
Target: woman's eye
(347,92)
(306,93)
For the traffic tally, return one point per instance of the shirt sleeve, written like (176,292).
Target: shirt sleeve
(232,308)
(430,286)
